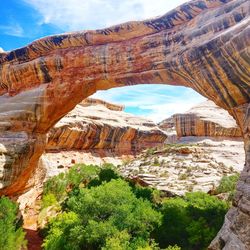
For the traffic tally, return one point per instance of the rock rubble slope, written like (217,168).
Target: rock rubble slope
(184,167)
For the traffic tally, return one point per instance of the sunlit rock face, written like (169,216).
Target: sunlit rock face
(92,102)
(205,119)
(99,125)
(203,44)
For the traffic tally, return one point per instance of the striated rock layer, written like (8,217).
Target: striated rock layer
(95,124)
(93,101)
(203,44)
(205,119)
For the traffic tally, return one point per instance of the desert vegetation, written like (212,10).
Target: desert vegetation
(228,185)
(12,236)
(96,208)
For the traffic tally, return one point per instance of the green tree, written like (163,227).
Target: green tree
(207,215)
(12,236)
(107,174)
(100,210)
(175,220)
(48,200)
(103,216)
(191,222)
(57,186)
(119,241)
(60,232)
(60,185)
(81,173)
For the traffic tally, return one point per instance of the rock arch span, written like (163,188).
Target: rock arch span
(203,44)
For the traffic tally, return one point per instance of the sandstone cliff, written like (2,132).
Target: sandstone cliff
(205,119)
(203,44)
(95,124)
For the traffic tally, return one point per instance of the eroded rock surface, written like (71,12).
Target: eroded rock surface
(193,164)
(203,44)
(97,132)
(98,125)
(205,119)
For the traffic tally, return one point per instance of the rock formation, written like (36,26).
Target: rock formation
(93,101)
(184,167)
(167,124)
(205,119)
(95,124)
(203,44)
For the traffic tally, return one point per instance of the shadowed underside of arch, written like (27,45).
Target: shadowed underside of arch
(203,44)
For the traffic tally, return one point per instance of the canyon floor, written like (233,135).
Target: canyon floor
(192,164)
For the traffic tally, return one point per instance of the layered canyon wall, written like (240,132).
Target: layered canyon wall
(205,119)
(97,125)
(203,44)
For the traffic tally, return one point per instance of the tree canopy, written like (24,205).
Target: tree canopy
(12,237)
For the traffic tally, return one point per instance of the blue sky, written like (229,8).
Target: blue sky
(22,21)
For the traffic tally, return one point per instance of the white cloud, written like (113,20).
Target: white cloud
(91,14)
(156,102)
(159,112)
(12,29)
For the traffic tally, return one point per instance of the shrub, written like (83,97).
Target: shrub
(156,162)
(59,185)
(150,151)
(191,222)
(182,176)
(48,200)
(175,247)
(228,184)
(12,236)
(109,215)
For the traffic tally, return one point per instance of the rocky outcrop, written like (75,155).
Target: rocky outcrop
(167,124)
(187,166)
(93,102)
(203,44)
(95,124)
(205,119)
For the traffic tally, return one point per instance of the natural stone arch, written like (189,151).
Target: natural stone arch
(203,44)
